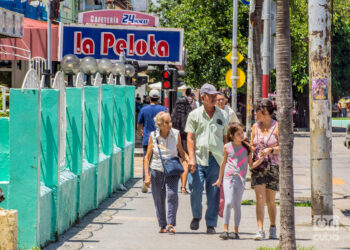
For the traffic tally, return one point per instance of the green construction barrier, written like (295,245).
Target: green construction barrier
(105,144)
(69,182)
(24,189)
(49,164)
(107,103)
(4,158)
(89,173)
(99,156)
(119,134)
(130,132)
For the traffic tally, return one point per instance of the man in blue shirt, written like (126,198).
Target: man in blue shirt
(145,122)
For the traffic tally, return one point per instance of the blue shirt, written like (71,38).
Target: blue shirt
(146,117)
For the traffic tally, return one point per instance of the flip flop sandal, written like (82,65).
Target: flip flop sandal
(171,230)
(162,230)
(184,190)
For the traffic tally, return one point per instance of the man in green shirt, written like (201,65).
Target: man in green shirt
(206,129)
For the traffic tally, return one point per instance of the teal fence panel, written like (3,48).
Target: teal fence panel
(91,145)
(108,173)
(103,167)
(130,131)
(119,128)
(69,181)
(24,190)
(49,164)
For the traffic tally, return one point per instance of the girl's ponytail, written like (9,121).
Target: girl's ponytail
(247,146)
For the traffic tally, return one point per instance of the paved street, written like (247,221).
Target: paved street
(127,220)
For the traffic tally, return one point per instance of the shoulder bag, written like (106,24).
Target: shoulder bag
(171,166)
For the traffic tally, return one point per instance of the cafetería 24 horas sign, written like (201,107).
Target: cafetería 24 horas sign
(149,45)
(118,17)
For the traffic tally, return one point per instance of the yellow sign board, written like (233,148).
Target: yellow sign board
(239,55)
(239,82)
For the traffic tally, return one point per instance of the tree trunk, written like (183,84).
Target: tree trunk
(257,70)
(285,126)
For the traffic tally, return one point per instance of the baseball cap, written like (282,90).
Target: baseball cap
(208,89)
(154,93)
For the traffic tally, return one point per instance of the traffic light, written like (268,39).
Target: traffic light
(167,80)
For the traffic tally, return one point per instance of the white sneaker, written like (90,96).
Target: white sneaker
(273,233)
(260,235)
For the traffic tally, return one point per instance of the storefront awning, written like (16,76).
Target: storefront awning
(34,40)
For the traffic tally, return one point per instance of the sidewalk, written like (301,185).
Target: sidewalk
(127,221)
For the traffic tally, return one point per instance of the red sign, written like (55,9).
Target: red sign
(118,17)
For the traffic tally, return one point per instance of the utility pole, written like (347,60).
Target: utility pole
(320,107)
(250,73)
(266,48)
(257,72)
(234,54)
(49,57)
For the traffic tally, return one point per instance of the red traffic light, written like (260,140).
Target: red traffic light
(166,74)
(166,85)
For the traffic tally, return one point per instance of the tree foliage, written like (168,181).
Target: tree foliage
(208,32)
(207,35)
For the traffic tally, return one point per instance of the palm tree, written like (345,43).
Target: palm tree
(284,112)
(257,70)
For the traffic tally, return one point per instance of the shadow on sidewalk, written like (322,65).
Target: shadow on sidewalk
(95,220)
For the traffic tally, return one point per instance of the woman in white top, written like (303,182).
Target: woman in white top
(169,142)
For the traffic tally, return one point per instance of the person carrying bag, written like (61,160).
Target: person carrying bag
(164,146)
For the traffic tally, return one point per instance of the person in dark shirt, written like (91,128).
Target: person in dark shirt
(145,122)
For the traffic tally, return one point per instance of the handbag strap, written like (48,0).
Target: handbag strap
(257,134)
(159,151)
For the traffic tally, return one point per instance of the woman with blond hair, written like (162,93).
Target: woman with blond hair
(163,144)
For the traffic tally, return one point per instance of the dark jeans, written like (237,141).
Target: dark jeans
(160,188)
(205,175)
(343,112)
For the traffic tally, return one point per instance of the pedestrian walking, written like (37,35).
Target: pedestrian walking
(206,129)
(230,114)
(233,171)
(189,97)
(179,117)
(265,176)
(195,102)
(145,123)
(163,144)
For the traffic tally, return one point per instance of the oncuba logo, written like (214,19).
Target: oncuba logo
(130,46)
(151,45)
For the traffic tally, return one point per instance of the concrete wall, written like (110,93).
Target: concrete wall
(99,156)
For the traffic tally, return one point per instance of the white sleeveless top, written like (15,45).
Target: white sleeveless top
(168,147)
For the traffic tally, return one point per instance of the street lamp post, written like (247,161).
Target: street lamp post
(89,67)
(70,66)
(129,73)
(104,67)
(118,70)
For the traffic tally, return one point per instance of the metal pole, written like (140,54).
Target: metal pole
(250,73)
(234,55)
(49,57)
(122,60)
(320,107)
(266,48)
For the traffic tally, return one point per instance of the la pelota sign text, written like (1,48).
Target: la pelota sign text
(150,45)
